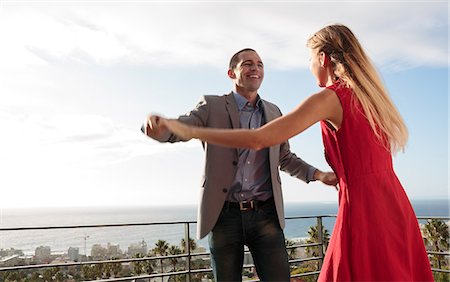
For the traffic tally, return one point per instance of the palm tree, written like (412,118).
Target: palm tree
(314,238)
(160,248)
(192,245)
(437,235)
(174,250)
(138,265)
(291,251)
(149,265)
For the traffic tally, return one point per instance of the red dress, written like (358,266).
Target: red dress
(376,235)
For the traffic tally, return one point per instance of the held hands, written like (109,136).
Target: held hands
(152,126)
(327,178)
(179,129)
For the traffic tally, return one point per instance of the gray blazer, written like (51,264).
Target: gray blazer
(221,162)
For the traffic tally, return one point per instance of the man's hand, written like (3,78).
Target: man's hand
(152,126)
(327,178)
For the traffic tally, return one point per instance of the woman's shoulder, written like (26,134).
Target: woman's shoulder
(341,90)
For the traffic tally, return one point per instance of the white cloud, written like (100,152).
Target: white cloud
(198,33)
(73,140)
(56,159)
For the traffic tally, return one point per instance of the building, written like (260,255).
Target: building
(42,254)
(113,251)
(74,254)
(134,249)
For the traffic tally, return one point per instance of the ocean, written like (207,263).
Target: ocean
(60,240)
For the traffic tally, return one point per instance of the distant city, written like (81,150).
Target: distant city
(44,254)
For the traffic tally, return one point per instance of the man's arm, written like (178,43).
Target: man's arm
(295,166)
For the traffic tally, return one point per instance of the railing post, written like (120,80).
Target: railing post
(321,241)
(188,249)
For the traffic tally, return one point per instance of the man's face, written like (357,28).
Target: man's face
(248,73)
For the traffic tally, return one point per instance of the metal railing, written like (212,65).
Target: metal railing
(188,255)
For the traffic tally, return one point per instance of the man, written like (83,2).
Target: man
(241,198)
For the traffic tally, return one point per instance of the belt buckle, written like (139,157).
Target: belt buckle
(246,205)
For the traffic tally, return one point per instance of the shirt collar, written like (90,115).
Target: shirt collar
(241,101)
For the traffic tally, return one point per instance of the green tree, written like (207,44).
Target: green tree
(88,273)
(116,268)
(34,277)
(305,269)
(160,249)
(437,236)
(12,276)
(174,250)
(192,245)
(98,270)
(291,251)
(59,276)
(50,273)
(137,265)
(149,265)
(314,238)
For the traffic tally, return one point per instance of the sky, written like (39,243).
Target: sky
(78,78)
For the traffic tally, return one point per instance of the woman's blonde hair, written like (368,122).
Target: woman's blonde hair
(354,68)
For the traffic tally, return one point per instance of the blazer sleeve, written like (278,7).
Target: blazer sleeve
(197,117)
(295,166)
(292,164)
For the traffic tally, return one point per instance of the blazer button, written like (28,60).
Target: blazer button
(225,190)
(234,162)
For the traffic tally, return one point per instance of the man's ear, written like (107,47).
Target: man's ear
(231,74)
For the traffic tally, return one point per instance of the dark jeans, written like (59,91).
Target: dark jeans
(260,231)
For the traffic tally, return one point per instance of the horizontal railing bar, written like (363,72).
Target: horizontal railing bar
(184,272)
(304,245)
(155,223)
(202,270)
(305,259)
(66,264)
(310,216)
(438,253)
(94,225)
(433,217)
(440,270)
(305,274)
(37,266)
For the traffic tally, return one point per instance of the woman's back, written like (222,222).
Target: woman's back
(376,235)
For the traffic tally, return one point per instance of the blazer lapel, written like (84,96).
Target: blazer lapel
(233,111)
(269,113)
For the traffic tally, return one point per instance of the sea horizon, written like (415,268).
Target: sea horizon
(153,205)
(61,239)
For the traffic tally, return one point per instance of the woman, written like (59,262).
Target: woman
(376,236)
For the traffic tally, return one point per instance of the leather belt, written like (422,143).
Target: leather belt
(247,205)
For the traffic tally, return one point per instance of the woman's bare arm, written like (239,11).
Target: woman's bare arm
(324,105)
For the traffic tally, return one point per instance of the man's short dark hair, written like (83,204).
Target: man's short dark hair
(235,58)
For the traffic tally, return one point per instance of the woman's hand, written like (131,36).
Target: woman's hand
(181,130)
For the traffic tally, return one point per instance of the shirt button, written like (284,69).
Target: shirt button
(248,162)
(245,179)
(224,190)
